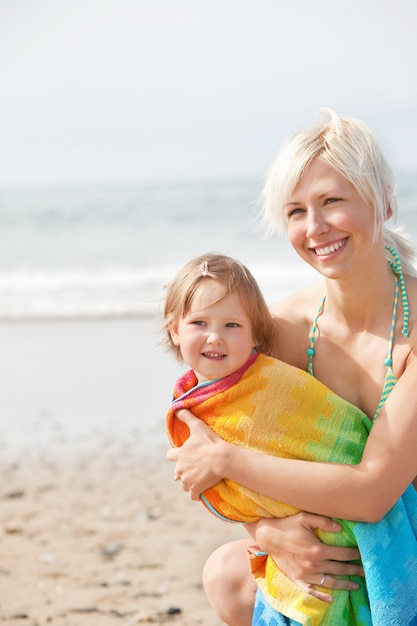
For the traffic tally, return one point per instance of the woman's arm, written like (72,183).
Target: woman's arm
(363,492)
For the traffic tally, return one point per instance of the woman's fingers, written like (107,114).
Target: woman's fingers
(187,417)
(316,593)
(331,582)
(338,568)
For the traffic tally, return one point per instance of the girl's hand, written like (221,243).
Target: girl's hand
(197,458)
(293,545)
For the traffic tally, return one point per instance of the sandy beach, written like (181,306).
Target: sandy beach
(94,531)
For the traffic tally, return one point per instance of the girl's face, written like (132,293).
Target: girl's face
(215,334)
(330,225)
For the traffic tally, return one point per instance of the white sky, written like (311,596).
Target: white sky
(144,90)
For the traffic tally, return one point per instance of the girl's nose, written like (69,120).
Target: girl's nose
(213,337)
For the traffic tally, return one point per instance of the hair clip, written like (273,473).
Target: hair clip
(204,268)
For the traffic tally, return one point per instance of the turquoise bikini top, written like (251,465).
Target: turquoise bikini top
(390,378)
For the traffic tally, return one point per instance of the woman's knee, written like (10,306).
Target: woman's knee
(229,585)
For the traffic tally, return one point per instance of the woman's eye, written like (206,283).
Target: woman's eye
(294,211)
(331,200)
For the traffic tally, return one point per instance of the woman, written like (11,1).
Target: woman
(333,191)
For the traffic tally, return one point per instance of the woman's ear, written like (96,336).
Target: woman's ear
(388,212)
(173,331)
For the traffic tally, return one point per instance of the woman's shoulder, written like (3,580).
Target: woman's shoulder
(293,319)
(300,305)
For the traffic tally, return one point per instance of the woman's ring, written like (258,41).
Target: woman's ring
(177,477)
(321,583)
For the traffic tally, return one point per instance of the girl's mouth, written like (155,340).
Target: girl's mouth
(213,355)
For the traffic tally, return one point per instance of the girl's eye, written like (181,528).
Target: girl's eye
(198,322)
(232,325)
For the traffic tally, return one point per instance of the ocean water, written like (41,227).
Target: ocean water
(91,252)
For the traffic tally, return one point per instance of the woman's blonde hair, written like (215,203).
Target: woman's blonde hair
(234,276)
(351,148)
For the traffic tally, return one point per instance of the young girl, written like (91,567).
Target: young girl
(217,321)
(215,301)
(334,192)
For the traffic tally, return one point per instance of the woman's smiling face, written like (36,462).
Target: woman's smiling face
(330,225)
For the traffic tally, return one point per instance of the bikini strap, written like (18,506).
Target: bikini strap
(311,351)
(395,264)
(388,360)
(390,378)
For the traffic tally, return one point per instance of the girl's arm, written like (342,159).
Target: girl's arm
(363,492)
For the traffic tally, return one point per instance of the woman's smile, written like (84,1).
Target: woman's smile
(329,248)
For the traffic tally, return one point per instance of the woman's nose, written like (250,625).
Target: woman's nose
(316,224)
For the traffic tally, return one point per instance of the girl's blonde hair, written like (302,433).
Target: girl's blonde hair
(234,276)
(351,148)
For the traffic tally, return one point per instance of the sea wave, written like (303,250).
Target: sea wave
(30,294)
(60,294)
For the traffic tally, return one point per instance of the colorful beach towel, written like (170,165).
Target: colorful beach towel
(280,410)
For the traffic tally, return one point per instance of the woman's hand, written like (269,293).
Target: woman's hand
(197,458)
(293,545)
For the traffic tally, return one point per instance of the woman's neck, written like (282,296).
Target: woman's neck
(360,302)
